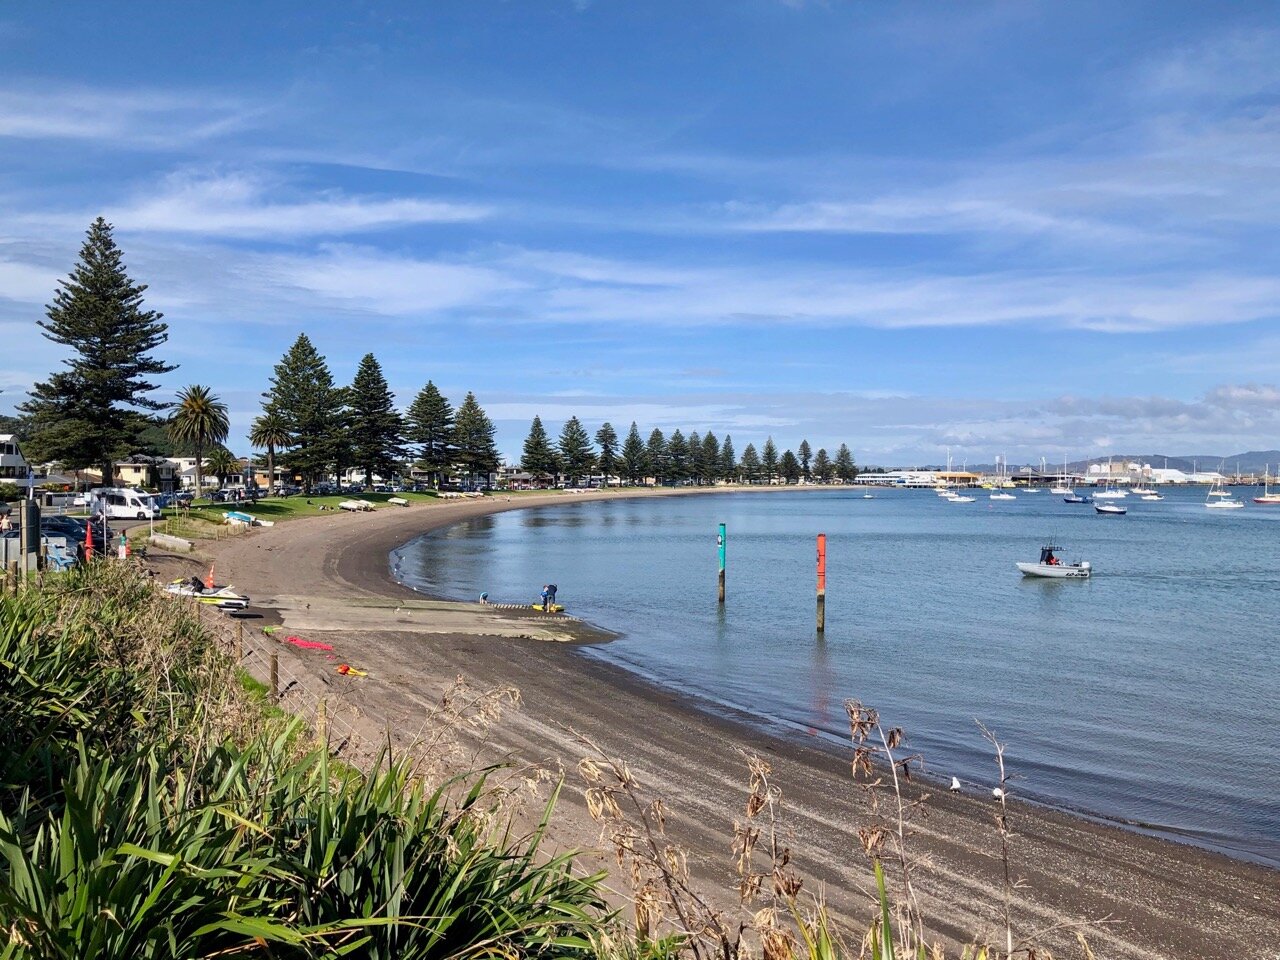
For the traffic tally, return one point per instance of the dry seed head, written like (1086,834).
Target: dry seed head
(786,884)
(657,814)
(872,840)
(676,861)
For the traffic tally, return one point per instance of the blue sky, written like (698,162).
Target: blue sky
(1022,229)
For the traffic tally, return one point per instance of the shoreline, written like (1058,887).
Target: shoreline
(1181,900)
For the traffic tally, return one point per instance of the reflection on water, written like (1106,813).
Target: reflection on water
(1148,693)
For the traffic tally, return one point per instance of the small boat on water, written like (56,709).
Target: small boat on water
(1151,496)
(868,496)
(1051,567)
(1225,501)
(1111,493)
(1110,509)
(1268,498)
(1002,496)
(1075,498)
(961,499)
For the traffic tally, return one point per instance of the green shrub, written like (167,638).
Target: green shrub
(138,821)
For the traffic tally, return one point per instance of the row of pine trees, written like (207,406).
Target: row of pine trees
(320,427)
(97,410)
(693,459)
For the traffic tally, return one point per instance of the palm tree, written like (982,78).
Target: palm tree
(269,431)
(222,463)
(199,420)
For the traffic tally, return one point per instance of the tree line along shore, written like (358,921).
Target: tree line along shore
(102,408)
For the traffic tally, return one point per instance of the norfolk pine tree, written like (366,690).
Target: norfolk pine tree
(538,456)
(750,464)
(634,455)
(92,413)
(430,426)
(728,460)
(473,439)
(845,469)
(789,467)
(576,456)
(677,456)
(376,428)
(656,455)
(710,458)
(304,399)
(806,454)
(607,439)
(694,446)
(769,460)
(822,466)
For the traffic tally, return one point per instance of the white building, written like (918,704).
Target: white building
(14,467)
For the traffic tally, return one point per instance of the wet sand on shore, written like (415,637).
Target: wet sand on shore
(329,575)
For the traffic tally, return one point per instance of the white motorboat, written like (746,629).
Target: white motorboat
(1151,496)
(957,498)
(1002,496)
(1110,509)
(1051,567)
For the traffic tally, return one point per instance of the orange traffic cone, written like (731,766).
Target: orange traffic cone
(208,581)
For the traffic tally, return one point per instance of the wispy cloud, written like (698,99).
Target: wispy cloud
(365,280)
(128,118)
(243,205)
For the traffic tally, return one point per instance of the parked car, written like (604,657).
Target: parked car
(73,530)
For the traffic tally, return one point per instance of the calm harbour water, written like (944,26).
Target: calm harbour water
(1149,694)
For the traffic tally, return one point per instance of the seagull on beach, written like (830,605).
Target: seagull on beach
(955,784)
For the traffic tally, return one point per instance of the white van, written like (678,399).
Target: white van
(121,503)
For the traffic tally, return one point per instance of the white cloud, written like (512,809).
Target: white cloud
(126,118)
(371,281)
(26,282)
(238,205)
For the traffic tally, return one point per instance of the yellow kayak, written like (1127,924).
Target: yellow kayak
(554,608)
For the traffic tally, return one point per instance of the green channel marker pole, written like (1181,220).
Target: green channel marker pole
(720,541)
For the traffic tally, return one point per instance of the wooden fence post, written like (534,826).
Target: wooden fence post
(275,676)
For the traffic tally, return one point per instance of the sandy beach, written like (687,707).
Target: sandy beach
(328,577)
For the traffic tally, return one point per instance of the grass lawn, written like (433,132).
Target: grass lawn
(290,508)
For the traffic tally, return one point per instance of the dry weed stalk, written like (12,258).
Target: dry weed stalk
(872,743)
(665,901)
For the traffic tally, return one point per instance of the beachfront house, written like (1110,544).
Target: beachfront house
(524,480)
(146,472)
(14,467)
